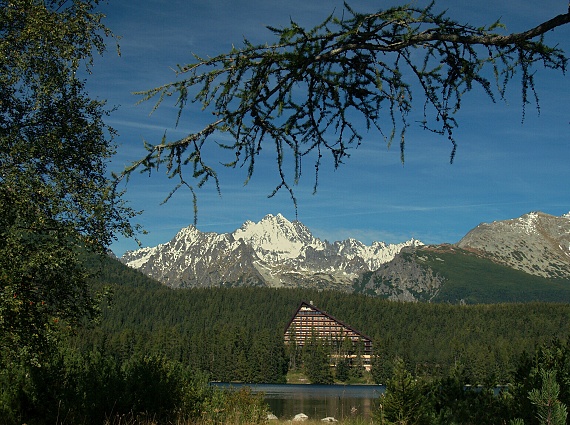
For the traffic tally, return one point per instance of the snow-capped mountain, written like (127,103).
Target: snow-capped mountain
(273,252)
(473,271)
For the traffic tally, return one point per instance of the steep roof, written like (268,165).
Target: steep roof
(324,313)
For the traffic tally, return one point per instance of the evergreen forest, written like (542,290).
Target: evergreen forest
(228,332)
(155,349)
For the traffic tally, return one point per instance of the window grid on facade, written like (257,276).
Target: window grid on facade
(309,322)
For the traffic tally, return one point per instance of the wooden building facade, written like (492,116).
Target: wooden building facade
(309,322)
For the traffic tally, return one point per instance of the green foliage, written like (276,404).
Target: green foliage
(141,350)
(234,407)
(93,387)
(342,370)
(267,358)
(228,334)
(545,369)
(357,363)
(316,362)
(382,368)
(406,400)
(69,384)
(219,331)
(534,396)
(43,283)
(56,197)
(152,386)
(475,280)
(549,410)
(311,91)
(458,402)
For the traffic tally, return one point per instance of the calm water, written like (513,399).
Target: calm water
(317,401)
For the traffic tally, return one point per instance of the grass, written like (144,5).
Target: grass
(297,377)
(356,421)
(135,421)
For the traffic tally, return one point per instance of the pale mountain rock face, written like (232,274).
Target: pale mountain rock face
(273,252)
(536,243)
(278,253)
(403,279)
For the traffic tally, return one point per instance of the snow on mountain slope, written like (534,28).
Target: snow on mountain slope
(275,238)
(273,252)
(536,243)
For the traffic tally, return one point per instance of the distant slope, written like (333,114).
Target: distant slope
(109,271)
(536,243)
(474,279)
(446,273)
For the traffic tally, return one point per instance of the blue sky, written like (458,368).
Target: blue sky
(502,168)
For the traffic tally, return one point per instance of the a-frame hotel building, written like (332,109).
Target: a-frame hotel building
(310,322)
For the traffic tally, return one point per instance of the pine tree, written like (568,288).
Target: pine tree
(549,410)
(405,401)
(316,362)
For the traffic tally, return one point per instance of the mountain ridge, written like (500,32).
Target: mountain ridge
(536,243)
(516,260)
(273,252)
(521,259)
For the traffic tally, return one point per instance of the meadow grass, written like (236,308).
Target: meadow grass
(125,420)
(231,415)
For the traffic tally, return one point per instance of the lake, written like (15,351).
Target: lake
(317,401)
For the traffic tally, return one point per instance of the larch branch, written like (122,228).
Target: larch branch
(433,34)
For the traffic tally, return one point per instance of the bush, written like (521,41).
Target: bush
(234,407)
(93,388)
(153,385)
(406,401)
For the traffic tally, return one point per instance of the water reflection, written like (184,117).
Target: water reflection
(318,401)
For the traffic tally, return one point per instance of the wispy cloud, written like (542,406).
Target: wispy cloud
(502,168)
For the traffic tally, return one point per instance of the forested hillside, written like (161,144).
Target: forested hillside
(156,349)
(448,274)
(236,333)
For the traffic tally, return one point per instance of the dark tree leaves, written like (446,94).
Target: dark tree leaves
(56,200)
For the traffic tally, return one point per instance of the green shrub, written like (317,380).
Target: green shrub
(153,385)
(229,407)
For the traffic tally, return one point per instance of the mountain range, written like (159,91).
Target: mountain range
(521,259)
(273,252)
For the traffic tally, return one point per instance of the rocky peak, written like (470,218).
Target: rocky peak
(273,252)
(276,235)
(536,243)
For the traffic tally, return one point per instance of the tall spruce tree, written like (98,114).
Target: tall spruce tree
(316,362)
(406,400)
